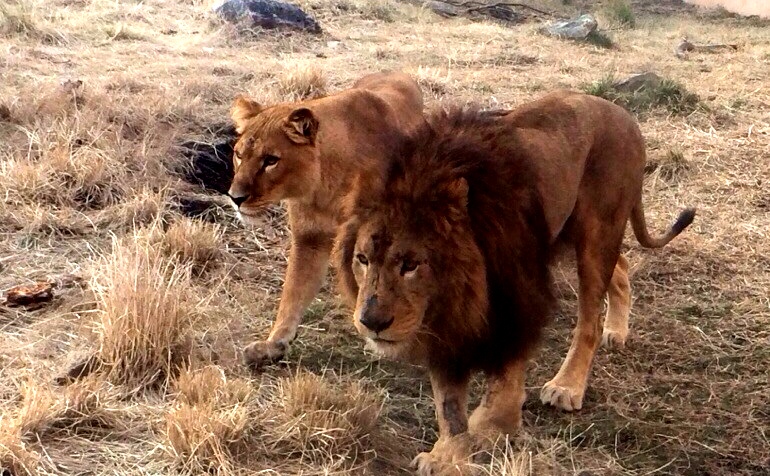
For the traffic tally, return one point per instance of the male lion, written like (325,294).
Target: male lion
(448,261)
(307,153)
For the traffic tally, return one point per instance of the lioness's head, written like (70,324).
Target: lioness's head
(275,156)
(409,252)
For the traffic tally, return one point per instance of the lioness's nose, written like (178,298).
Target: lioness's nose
(238,199)
(372,318)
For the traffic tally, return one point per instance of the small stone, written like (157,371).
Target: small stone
(638,81)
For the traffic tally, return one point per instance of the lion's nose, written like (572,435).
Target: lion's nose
(238,199)
(372,319)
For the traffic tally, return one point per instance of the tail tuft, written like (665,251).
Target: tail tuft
(685,219)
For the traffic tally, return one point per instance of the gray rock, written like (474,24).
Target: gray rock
(578,28)
(267,14)
(638,82)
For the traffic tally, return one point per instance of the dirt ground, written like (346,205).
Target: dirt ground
(96,94)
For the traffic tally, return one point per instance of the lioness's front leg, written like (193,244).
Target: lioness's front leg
(453,448)
(308,261)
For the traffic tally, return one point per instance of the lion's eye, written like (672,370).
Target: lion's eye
(408,266)
(269,160)
(362,259)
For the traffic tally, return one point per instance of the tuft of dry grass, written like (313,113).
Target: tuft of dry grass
(87,406)
(323,419)
(302,82)
(435,81)
(15,458)
(146,310)
(192,242)
(210,423)
(21,18)
(672,167)
(144,208)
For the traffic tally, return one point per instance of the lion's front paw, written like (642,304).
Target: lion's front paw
(561,395)
(426,464)
(259,353)
(449,457)
(429,464)
(612,339)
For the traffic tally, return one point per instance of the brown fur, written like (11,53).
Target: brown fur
(448,263)
(318,146)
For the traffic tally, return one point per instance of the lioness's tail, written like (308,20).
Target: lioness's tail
(640,226)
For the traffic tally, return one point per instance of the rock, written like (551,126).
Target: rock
(78,366)
(578,28)
(32,295)
(443,9)
(637,82)
(267,14)
(210,164)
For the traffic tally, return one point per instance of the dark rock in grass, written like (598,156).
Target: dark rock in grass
(209,165)
(78,367)
(269,14)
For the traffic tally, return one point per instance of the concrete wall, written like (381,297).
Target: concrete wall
(742,7)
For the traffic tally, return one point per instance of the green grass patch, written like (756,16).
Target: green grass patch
(621,13)
(665,93)
(600,39)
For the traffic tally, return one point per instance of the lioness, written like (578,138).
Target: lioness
(448,261)
(307,153)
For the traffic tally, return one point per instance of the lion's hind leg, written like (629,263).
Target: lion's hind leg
(598,251)
(619,307)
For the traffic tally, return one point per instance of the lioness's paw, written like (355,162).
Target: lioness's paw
(259,353)
(561,396)
(614,339)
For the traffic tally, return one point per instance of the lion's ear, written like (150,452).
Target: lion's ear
(301,126)
(243,110)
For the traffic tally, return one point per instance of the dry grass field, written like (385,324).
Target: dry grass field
(96,94)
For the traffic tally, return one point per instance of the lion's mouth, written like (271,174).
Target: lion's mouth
(380,340)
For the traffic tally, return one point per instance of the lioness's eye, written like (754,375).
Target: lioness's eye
(269,160)
(408,266)
(362,259)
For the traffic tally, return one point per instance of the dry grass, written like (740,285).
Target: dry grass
(96,94)
(210,423)
(302,82)
(146,312)
(192,243)
(323,419)
(15,458)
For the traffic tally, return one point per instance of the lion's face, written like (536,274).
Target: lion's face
(396,286)
(275,156)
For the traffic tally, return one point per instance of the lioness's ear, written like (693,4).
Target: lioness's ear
(301,126)
(243,110)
